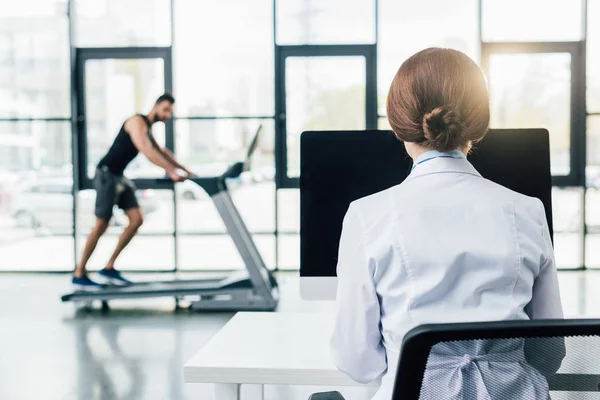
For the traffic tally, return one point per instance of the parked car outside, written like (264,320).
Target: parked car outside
(48,203)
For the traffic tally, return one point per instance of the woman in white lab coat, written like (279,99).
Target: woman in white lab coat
(446,245)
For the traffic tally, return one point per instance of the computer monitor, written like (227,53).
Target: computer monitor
(338,167)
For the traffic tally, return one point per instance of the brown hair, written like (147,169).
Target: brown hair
(166,97)
(439,99)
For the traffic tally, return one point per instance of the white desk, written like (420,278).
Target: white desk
(267,349)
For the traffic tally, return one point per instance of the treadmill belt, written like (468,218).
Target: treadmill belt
(146,289)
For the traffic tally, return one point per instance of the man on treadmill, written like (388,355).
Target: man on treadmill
(112,188)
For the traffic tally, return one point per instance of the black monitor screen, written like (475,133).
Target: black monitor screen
(339,167)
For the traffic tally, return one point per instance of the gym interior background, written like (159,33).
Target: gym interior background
(72,71)
(290,65)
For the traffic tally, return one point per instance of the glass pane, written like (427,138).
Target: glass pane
(593,152)
(534,91)
(592,204)
(225,72)
(217,252)
(114,91)
(156,205)
(254,199)
(439,23)
(593,56)
(34,66)
(567,213)
(531,20)
(122,23)
(568,250)
(322,93)
(43,204)
(384,124)
(289,252)
(36,201)
(143,253)
(592,249)
(51,253)
(325,22)
(209,147)
(289,210)
(571,286)
(592,219)
(588,284)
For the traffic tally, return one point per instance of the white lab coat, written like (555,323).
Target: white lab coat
(446,245)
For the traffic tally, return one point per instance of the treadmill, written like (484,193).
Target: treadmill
(254,289)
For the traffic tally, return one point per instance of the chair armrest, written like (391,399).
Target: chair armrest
(574,382)
(327,396)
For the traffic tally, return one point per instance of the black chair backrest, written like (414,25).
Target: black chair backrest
(563,355)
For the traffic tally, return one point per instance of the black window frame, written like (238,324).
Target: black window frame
(576,176)
(82,55)
(368,51)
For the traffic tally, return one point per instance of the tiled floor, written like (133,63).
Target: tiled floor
(136,351)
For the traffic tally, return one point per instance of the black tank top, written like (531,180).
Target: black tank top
(122,151)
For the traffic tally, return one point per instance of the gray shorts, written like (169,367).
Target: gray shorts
(113,190)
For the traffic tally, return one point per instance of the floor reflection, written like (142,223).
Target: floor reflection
(137,349)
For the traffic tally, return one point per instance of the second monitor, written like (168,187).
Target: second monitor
(338,167)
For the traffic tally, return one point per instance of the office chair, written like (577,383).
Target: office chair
(560,355)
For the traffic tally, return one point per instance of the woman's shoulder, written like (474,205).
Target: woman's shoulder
(375,200)
(503,193)
(375,210)
(527,209)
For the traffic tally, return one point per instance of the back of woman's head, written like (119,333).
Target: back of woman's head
(439,99)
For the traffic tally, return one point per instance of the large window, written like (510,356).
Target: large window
(567,213)
(116,89)
(288,239)
(34,61)
(224,84)
(592,214)
(224,58)
(532,51)
(122,23)
(406,27)
(36,200)
(208,147)
(322,93)
(532,20)
(285,65)
(532,90)
(593,57)
(325,22)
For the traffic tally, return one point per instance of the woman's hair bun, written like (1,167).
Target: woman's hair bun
(442,129)
(439,100)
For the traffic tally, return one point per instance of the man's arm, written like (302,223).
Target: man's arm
(138,131)
(169,156)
